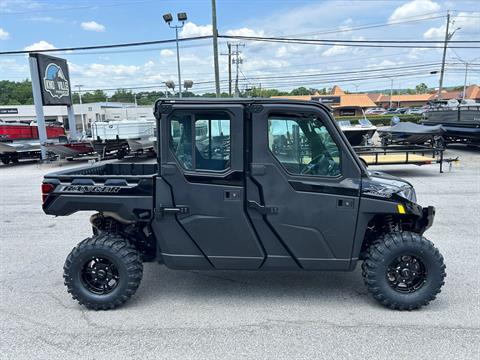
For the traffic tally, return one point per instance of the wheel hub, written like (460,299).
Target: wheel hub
(406,273)
(99,275)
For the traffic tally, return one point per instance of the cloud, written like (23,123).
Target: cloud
(245,31)
(92,26)
(467,22)
(102,70)
(414,8)
(47,19)
(11,66)
(336,50)
(435,32)
(417,53)
(149,64)
(166,53)
(190,29)
(41,45)
(4,35)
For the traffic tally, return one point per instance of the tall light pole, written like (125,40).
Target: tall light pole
(169,84)
(391,91)
(466,72)
(448,37)
(81,107)
(187,84)
(182,17)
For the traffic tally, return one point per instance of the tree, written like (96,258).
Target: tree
(123,95)
(88,97)
(300,91)
(16,93)
(421,88)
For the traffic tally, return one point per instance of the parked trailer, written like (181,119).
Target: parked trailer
(403,154)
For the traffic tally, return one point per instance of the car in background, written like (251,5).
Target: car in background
(415,111)
(391,111)
(375,111)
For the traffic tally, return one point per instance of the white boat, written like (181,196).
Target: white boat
(19,146)
(359,133)
(70,149)
(140,145)
(123,136)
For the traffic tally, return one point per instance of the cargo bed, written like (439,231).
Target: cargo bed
(123,188)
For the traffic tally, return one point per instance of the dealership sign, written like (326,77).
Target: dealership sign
(9,111)
(54,80)
(330,100)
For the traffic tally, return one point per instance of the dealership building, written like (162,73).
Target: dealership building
(100,111)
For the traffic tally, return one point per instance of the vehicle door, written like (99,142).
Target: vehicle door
(202,163)
(309,183)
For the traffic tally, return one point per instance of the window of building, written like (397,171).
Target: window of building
(303,146)
(201,141)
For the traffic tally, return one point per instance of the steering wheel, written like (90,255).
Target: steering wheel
(322,165)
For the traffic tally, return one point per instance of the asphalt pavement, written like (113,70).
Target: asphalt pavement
(236,315)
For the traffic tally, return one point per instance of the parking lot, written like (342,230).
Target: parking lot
(219,315)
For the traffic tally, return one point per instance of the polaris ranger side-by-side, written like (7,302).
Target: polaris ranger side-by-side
(252,184)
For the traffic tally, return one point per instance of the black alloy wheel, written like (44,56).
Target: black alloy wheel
(406,274)
(100,275)
(403,270)
(103,272)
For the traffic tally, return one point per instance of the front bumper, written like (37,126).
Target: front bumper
(426,221)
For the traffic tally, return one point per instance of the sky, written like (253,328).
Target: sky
(42,24)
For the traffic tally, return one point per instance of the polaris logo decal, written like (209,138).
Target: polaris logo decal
(91,189)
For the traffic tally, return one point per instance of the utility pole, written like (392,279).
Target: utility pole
(448,37)
(442,71)
(229,69)
(237,61)
(229,54)
(215,48)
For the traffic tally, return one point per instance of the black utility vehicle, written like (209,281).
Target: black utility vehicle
(247,185)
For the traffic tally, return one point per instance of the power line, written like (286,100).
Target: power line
(73,8)
(415,44)
(371,25)
(109,46)
(349,72)
(357,43)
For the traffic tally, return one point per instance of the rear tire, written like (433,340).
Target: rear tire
(103,272)
(403,270)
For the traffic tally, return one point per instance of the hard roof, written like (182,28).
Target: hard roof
(243,101)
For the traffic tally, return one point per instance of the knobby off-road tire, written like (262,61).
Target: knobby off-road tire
(403,270)
(103,272)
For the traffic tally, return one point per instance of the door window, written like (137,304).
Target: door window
(201,141)
(303,146)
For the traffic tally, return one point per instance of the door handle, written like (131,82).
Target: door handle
(346,203)
(175,210)
(264,210)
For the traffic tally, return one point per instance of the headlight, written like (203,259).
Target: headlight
(408,193)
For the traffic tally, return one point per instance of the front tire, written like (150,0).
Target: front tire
(103,272)
(403,270)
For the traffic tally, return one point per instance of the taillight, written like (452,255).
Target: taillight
(46,190)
